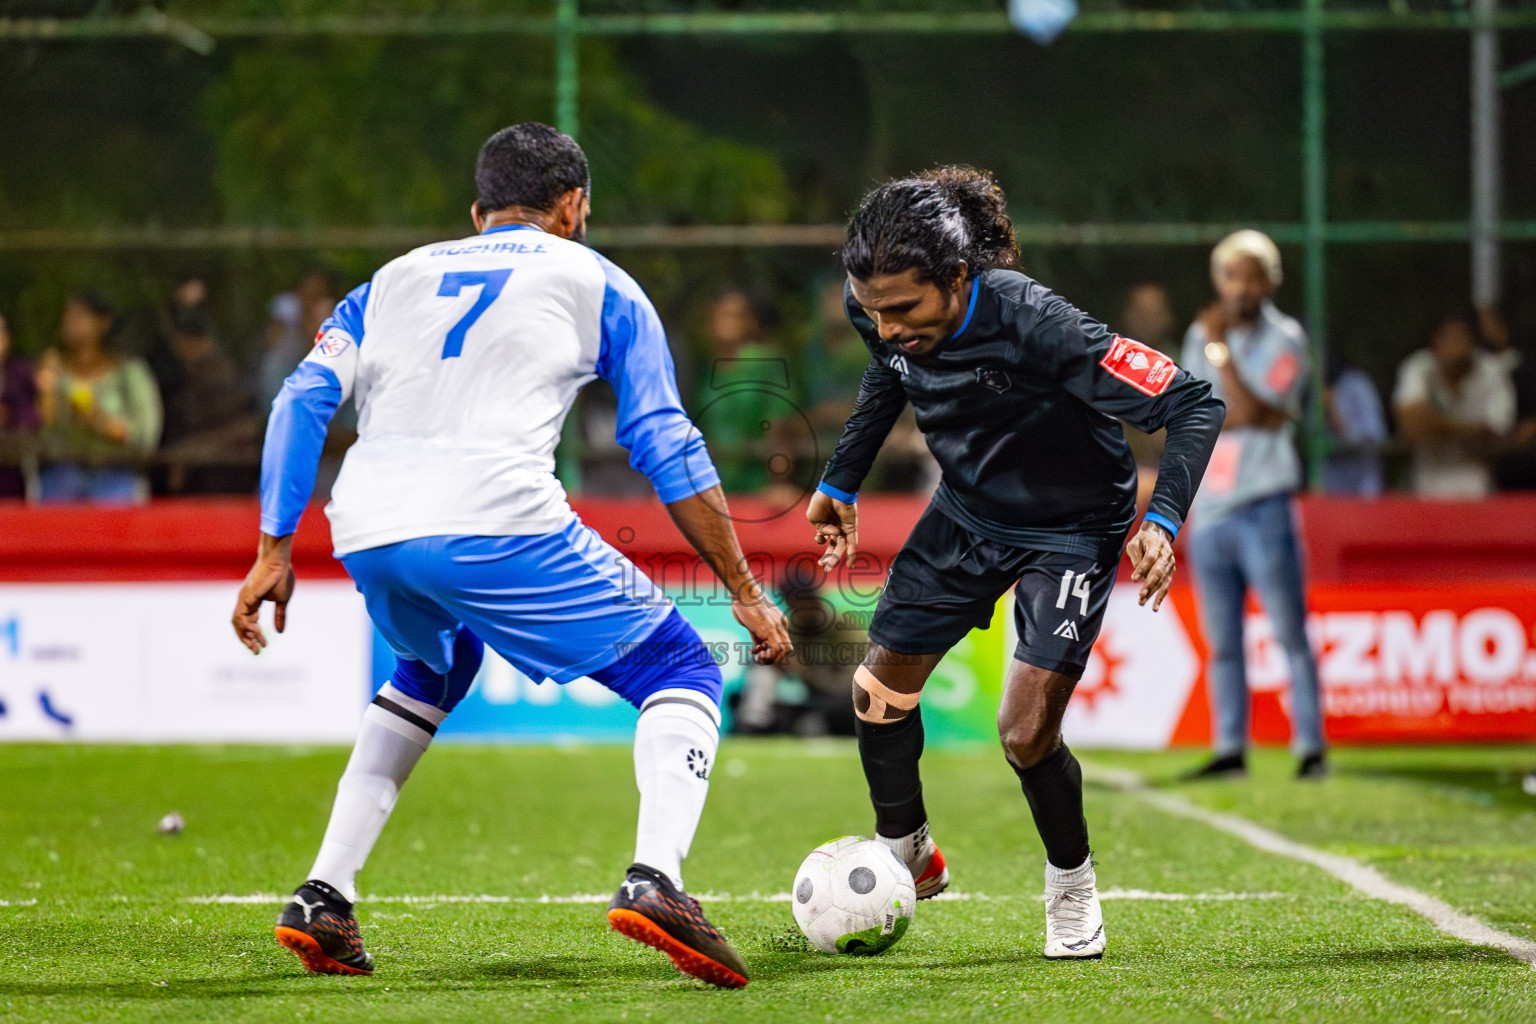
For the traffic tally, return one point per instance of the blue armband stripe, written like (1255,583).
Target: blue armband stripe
(290,457)
(832,492)
(1163,521)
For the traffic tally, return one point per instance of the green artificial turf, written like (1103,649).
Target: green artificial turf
(97,923)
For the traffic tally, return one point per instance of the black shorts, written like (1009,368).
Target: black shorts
(945,582)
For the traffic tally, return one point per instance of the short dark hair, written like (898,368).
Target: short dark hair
(531,165)
(192,322)
(97,302)
(931,222)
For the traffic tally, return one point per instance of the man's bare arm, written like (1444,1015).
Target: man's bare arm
(1421,422)
(704,521)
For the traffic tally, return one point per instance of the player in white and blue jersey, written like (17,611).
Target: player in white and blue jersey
(464,358)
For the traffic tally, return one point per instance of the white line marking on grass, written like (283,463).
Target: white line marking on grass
(274,899)
(1360,877)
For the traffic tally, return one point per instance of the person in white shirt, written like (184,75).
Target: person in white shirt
(1452,399)
(464,358)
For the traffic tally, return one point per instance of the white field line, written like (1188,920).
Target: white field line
(274,899)
(1360,877)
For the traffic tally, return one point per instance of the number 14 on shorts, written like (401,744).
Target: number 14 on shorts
(1074,584)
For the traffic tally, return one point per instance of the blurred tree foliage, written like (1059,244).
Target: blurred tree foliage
(314,131)
(383,132)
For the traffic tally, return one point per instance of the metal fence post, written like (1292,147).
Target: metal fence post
(567,68)
(1486,177)
(1314,159)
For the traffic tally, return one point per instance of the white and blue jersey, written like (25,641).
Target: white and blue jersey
(464,359)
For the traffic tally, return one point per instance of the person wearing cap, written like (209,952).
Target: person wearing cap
(1242,527)
(100,411)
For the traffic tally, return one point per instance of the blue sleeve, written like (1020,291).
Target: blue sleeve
(348,315)
(290,457)
(633,357)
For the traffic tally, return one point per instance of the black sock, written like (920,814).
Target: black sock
(1054,789)
(890,753)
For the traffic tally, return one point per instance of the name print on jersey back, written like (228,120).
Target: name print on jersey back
(465,358)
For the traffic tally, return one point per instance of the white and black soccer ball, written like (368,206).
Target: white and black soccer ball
(853,895)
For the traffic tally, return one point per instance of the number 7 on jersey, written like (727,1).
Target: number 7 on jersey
(491,283)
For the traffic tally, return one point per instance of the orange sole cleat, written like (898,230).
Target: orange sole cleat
(690,961)
(308,950)
(934,878)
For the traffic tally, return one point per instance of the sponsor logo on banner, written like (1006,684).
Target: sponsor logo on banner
(1407,664)
(1396,664)
(1139,677)
(157,662)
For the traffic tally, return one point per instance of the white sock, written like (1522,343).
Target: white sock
(388,746)
(1057,878)
(675,743)
(909,848)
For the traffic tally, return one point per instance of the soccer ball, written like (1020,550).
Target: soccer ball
(853,895)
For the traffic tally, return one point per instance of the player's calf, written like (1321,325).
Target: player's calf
(319,927)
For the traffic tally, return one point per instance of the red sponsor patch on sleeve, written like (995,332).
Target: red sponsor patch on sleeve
(1141,366)
(1282,373)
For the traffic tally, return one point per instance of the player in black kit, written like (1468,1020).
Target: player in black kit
(1017,394)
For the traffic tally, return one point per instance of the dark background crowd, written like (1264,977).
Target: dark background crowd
(117,403)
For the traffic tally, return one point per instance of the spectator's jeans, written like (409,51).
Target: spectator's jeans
(107,485)
(1255,546)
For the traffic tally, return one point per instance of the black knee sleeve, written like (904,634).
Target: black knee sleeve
(1054,789)
(890,752)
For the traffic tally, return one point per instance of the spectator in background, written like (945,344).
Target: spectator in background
(1357,425)
(190,294)
(835,360)
(1452,400)
(208,415)
(1514,468)
(287,339)
(744,388)
(1242,527)
(18,414)
(1148,316)
(100,411)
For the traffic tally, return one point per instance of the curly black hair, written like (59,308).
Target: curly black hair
(530,165)
(932,222)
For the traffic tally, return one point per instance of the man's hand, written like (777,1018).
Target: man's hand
(705,521)
(837,528)
(762,618)
(1152,564)
(270,579)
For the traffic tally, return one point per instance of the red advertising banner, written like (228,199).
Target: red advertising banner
(1397,664)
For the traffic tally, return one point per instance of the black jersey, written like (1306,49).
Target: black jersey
(1019,407)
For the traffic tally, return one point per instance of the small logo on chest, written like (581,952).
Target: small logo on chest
(993,380)
(899,364)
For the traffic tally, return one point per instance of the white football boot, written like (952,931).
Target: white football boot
(1074,924)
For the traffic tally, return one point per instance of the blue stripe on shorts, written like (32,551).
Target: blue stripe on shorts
(558,605)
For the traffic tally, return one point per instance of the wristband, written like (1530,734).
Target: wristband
(833,492)
(1163,521)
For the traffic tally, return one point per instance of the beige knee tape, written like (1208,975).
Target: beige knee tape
(881,696)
